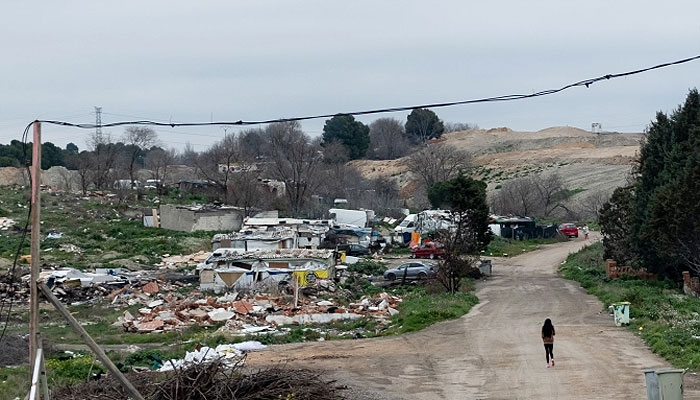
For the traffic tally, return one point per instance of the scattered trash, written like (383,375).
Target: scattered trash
(6,223)
(54,235)
(70,248)
(230,355)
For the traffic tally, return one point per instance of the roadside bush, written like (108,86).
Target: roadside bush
(368,267)
(660,313)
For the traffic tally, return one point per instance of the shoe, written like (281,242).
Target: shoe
(552,362)
(548,365)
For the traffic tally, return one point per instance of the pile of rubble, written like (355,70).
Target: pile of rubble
(6,223)
(249,314)
(180,261)
(13,289)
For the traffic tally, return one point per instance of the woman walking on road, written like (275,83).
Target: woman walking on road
(548,339)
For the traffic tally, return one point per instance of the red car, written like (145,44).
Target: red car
(430,250)
(569,230)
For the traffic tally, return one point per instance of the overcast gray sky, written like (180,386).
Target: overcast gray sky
(231,60)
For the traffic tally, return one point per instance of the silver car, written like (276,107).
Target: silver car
(412,270)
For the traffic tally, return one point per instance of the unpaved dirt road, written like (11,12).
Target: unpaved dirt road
(495,351)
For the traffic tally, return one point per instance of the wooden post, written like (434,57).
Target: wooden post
(42,370)
(34,391)
(35,262)
(99,354)
(156,223)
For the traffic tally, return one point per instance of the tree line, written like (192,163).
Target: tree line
(653,221)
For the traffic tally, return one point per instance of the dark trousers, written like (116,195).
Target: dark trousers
(549,350)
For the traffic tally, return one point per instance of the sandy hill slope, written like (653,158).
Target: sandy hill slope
(584,160)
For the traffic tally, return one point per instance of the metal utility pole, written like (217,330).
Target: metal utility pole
(35,262)
(98,121)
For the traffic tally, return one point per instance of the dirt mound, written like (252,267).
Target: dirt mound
(501,154)
(14,350)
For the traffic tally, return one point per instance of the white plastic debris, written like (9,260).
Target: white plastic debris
(250,345)
(229,354)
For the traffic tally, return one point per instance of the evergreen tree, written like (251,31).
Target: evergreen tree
(666,211)
(423,124)
(354,135)
(465,196)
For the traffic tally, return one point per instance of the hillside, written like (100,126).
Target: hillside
(588,161)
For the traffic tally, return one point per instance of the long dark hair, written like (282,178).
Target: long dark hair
(547,328)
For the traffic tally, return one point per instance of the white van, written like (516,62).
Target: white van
(407,225)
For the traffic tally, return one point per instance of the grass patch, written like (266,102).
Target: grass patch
(419,309)
(14,382)
(669,320)
(500,245)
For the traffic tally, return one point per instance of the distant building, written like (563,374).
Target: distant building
(200,218)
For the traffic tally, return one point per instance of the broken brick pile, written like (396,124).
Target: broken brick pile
(614,271)
(246,314)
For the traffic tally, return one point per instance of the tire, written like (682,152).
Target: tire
(422,275)
(391,277)
(431,256)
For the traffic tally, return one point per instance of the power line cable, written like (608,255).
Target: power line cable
(11,273)
(509,97)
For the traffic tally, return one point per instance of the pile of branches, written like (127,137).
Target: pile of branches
(213,381)
(13,288)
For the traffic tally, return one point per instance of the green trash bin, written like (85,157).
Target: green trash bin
(664,383)
(621,313)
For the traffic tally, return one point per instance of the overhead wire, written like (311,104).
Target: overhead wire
(6,309)
(509,97)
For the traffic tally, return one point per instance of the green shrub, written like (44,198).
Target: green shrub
(368,267)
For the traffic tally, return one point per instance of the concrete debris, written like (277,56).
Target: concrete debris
(245,314)
(180,261)
(150,288)
(70,248)
(6,223)
(219,315)
(230,355)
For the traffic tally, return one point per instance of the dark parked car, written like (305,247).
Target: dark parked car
(354,250)
(430,250)
(569,230)
(413,270)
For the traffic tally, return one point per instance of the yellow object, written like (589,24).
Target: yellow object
(304,277)
(415,239)
(26,259)
(342,257)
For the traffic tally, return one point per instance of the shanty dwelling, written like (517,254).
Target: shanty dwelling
(252,240)
(204,218)
(274,233)
(515,227)
(228,268)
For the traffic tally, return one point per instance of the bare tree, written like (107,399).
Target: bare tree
(246,191)
(537,195)
(438,162)
(517,197)
(159,162)
(189,156)
(460,255)
(104,157)
(295,161)
(459,126)
(222,161)
(551,193)
(83,164)
(591,205)
(255,143)
(388,139)
(137,140)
